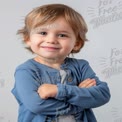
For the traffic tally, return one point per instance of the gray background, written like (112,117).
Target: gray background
(103,51)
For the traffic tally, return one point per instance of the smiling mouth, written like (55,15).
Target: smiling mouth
(50,48)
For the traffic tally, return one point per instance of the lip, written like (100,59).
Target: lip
(50,48)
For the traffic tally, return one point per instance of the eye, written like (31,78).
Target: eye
(62,35)
(43,33)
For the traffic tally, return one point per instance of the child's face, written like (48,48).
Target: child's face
(52,41)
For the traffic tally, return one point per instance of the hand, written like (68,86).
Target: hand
(87,83)
(47,90)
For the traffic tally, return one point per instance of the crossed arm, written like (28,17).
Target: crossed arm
(46,91)
(90,93)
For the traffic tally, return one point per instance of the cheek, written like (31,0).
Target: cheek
(69,46)
(34,42)
(72,43)
(32,45)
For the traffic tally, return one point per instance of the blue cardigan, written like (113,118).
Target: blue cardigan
(70,99)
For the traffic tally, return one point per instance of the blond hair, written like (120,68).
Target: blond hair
(49,13)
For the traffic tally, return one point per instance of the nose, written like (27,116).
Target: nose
(51,38)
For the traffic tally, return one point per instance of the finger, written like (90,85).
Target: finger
(87,83)
(84,82)
(91,84)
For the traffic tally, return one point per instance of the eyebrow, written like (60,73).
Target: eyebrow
(45,28)
(65,32)
(41,28)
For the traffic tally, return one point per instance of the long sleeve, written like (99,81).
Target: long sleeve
(26,86)
(92,97)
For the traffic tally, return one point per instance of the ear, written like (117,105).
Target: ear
(26,39)
(78,45)
(28,42)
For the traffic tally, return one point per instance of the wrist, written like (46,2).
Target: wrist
(61,93)
(55,90)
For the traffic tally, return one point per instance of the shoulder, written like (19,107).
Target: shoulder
(29,64)
(80,62)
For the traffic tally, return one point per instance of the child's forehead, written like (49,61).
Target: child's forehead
(49,26)
(56,24)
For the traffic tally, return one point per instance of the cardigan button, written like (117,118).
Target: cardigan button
(70,79)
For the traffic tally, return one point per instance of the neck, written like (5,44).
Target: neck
(54,63)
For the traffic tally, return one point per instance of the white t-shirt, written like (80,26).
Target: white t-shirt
(68,118)
(65,118)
